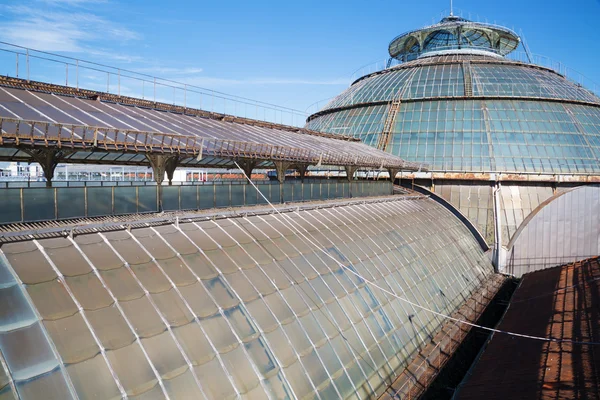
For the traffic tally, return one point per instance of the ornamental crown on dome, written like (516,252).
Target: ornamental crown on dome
(454,35)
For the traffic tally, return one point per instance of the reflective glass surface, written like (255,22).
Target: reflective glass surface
(521,133)
(485,135)
(306,303)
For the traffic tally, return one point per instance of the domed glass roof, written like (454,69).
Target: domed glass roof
(472,113)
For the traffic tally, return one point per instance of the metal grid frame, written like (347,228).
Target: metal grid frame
(269,314)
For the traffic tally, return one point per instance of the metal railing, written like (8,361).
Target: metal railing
(17,132)
(59,203)
(34,65)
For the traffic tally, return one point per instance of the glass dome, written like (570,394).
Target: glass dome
(471,113)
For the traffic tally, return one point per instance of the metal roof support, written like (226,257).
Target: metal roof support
(162,163)
(302,168)
(350,170)
(393,172)
(48,160)
(247,166)
(281,167)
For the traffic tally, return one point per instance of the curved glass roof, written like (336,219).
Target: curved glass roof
(235,307)
(482,135)
(456,34)
(467,113)
(444,77)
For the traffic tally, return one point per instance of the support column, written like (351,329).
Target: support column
(161,164)
(281,167)
(170,165)
(350,170)
(302,168)
(247,167)
(393,172)
(48,160)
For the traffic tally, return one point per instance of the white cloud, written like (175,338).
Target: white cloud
(73,3)
(54,29)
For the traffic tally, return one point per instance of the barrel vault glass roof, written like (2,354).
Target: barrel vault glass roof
(515,117)
(240,307)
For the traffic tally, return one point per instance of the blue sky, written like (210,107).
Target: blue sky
(288,53)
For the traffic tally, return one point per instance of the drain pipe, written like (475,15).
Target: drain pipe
(497,228)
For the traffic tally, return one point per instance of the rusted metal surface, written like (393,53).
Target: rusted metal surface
(414,380)
(503,177)
(28,134)
(564,303)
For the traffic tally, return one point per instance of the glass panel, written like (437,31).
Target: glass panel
(15,311)
(92,378)
(29,264)
(172,308)
(143,317)
(219,333)
(89,291)
(194,343)
(72,339)
(127,248)
(122,284)
(177,271)
(132,368)
(11,205)
(48,386)
(240,369)
(98,252)
(27,352)
(176,239)
(151,277)
(200,265)
(110,327)
(70,202)
(164,355)
(52,300)
(38,204)
(216,382)
(184,386)
(198,299)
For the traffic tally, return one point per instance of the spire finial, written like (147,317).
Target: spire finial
(451,13)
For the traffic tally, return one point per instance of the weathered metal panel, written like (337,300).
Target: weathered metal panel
(563,229)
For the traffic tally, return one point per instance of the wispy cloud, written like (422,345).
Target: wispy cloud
(72,3)
(68,29)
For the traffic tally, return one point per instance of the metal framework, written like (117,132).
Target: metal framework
(457,35)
